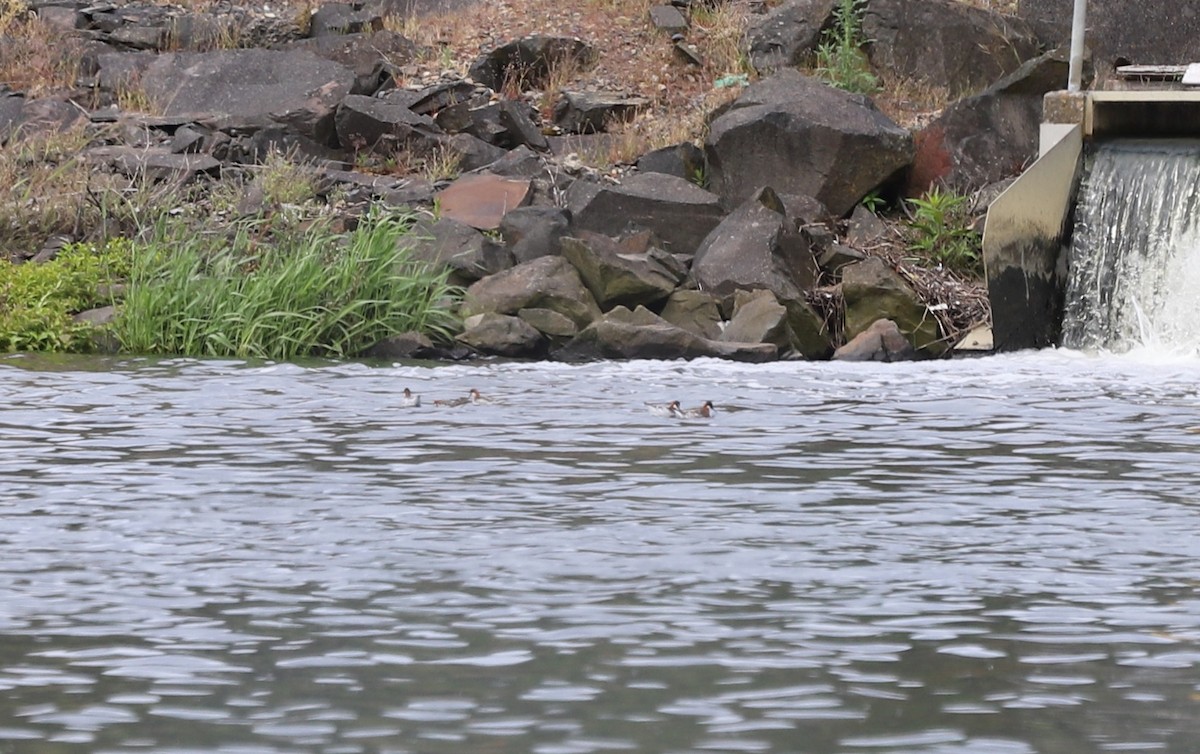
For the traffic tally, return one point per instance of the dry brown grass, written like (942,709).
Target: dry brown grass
(35,57)
(46,187)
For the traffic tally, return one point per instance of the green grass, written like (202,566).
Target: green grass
(840,57)
(37,300)
(288,295)
(940,230)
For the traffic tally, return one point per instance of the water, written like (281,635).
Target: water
(1135,261)
(996,556)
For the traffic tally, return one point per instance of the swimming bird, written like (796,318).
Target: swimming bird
(664,409)
(705,411)
(473,396)
(410,399)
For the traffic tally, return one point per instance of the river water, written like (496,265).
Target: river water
(998,555)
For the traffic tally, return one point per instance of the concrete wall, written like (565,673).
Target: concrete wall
(1151,32)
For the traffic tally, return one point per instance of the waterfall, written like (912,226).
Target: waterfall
(1135,257)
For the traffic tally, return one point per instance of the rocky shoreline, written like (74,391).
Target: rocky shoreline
(752,245)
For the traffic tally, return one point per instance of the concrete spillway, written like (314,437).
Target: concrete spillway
(1134,263)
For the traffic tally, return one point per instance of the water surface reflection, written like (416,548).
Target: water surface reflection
(986,556)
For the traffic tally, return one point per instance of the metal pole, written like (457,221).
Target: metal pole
(1078,25)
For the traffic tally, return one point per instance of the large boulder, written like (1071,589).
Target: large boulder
(501,335)
(618,278)
(481,200)
(946,44)
(758,317)
(445,242)
(544,283)
(532,232)
(641,334)
(694,311)
(755,247)
(788,34)
(873,291)
(291,87)
(991,136)
(800,136)
(676,211)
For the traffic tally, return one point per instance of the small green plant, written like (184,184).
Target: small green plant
(940,230)
(873,202)
(287,180)
(840,57)
(37,300)
(298,293)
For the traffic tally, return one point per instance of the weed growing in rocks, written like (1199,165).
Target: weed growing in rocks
(37,300)
(940,230)
(840,57)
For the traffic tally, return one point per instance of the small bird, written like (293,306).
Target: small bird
(410,399)
(705,411)
(665,409)
(473,396)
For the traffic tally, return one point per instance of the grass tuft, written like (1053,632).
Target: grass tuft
(305,293)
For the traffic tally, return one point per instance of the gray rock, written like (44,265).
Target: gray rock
(294,88)
(553,325)
(882,341)
(679,213)
(341,18)
(873,291)
(684,160)
(156,164)
(946,44)
(407,345)
(448,243)
(668,19)
(532,232)
(383,127)
(799,136)
(544,283)
(373,57)
(759,318)
(836,256)
(988,137)
(694,311)
(434,99)
(592,112)
(810,334)
(617,278)
(787,35)
(640,334)
(501,335)
(517,120)
(754,248)
(472,153)
(529,60)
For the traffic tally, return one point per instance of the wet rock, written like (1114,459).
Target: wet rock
(481,200)
(641,334)
(544,283)
(407,345)
(694,311)
(873,291)
(881,341)
(752,248)
(679,213)
(618,278)
(800,136)
(591,112)
(788,34)
(532,232)
(501,335)
(526,63)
